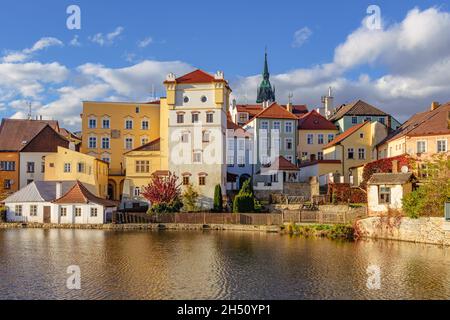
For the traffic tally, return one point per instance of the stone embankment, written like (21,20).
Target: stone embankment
(423,230)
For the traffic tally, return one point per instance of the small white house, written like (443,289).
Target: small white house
(57,202)
(385,191)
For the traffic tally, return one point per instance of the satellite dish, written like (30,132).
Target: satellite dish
(405,169)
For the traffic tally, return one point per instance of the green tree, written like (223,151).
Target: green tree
(429,198)
(190,198)
(244,202)
(218,201)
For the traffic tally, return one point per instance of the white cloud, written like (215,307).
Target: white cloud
(108,39)
(75,42)
(26,54)
(145,42)
(300,36)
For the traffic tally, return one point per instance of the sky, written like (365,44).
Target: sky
(397,60)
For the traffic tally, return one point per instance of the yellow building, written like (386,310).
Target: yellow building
(68,165)
(354,148)
(110,129)
(314,131)
(423,135)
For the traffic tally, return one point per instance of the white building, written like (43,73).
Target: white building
(68,202)
(197,104)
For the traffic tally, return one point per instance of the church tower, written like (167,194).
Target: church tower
(266,93)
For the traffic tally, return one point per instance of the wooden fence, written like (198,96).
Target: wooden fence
(288,216)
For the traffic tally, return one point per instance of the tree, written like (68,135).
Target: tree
(218,201)
(244,202)
(163,193)
(190,197)
(429,198)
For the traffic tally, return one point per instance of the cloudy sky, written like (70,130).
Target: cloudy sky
(124,49)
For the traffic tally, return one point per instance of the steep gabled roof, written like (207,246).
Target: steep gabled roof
(15,134)
(315,121)
(39,191)
(238,130)
(275,111)
(357,108)
(345,134)
(280,164)
(79,194)
(391,178)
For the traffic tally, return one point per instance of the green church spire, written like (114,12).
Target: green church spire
(265,90)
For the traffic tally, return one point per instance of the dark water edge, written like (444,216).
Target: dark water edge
(215,265)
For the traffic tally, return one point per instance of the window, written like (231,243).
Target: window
(230,161)
(421,146)
(105,123)
(203,99)
(320,138)
(7,184)
(368,119)
(289,144)
(18,210)
(142,166)
(105,143)
(77,212)
(144,140)
(186,181)
(242,117)
(42,167)
(241,144)
(384,195)
(310,139)
(209,117)
(186,99)
(94,212)
(144,125)
(442,146)
(30,167)
(8,166)
(137,191)
(264,125)
(241,160)
(92,123)
(361,135)
(202,180)
(92,142)
(381,120)
(289,158)
(63,211)
(206,135)
(362,153)
(106,158)
(354,120)
(330,137)
(129,124)
(350,153)
(277,125)
(180,118)
(138,109)
(197,157)
(67,167)
(128,143)
(320,155)
(288,127)
(80,167)
(195,118)
(33,211)
(304,155)
(185,137)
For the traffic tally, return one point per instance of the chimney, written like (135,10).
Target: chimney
(394,166)
(289,107)
(434,105)
(58,190)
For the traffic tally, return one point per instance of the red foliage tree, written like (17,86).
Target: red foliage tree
(162,189)
(385,166)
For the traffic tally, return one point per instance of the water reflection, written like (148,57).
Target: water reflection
(214,265)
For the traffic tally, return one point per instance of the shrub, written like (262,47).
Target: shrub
(164,194)
(413,203)
(245,201)
(218,201)
(190,198)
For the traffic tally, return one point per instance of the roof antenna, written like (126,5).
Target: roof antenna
(30,116)
(290,96)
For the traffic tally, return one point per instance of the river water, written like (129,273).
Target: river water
(215,265)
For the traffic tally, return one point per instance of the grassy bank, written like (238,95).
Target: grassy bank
(337,231)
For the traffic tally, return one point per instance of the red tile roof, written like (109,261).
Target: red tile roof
(80,194)
(251,109)
(315,121)
(154,145)
(357,108)
(280,164)
(197,76)
(345,134)
(275,111)
(312,163)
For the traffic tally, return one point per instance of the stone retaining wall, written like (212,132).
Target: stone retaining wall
(422,230)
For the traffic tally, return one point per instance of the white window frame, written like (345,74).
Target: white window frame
(128,140)
(33,210)
(67,167)
(94,212)
(264,125)
(145,124)
(445,145)
(194,154)
(94,125)
(424,145)
(106,141)
(127,122)
(108,121)
(320,138)
(308,140)
(286,141)
(92,142)
(289,127)
(363,153)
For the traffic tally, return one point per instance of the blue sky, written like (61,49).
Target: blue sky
(150,38)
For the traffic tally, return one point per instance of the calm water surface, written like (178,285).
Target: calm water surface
(214,265)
